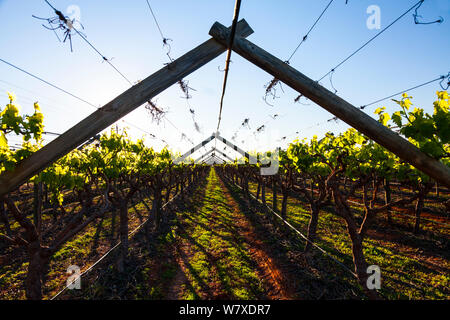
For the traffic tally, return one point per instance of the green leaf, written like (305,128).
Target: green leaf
(3,140)
(397,118)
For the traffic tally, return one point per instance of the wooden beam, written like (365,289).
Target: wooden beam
(213,150)
(225,155)
(203,156)
(191,151)
(116,109)
(336,105)
(250,158)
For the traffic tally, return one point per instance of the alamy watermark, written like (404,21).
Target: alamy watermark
(374,19)
(74,14)
(74,280)
(374,279)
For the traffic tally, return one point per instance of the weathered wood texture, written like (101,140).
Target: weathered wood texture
(116,109)
(334,104)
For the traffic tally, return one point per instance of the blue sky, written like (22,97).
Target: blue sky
(406,55)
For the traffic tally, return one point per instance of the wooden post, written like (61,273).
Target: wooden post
(115,110)
(334,104)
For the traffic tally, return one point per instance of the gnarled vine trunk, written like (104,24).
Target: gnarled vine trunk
(356,237)
(418,212)
(123,231)
(38,258)
(156,207)
(258,190)
(263,192)
(4,218)
(312,226)
(387,199)
(284,203)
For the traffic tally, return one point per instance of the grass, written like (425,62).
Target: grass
(413,267)
(217,260)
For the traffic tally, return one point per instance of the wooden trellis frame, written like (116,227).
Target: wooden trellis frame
(211,151)
(335,105)
(225,141)
(214,158)
(203,156)
(193,60)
